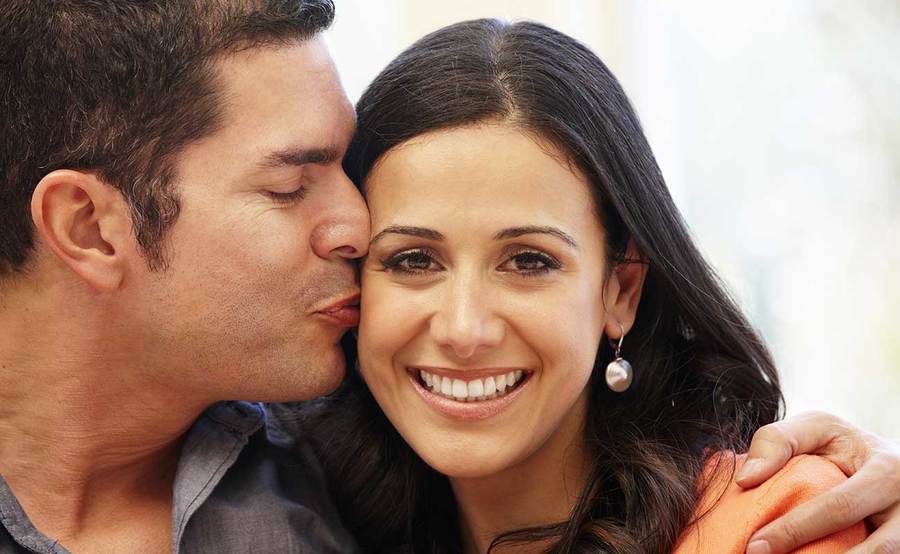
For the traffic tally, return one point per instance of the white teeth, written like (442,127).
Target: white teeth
(460,390)
(501,383)
(490,387)
(473,390)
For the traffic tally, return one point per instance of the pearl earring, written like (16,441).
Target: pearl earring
(619,373)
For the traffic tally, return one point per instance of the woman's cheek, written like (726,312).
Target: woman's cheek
(575,338)
(385,328)
(386,314)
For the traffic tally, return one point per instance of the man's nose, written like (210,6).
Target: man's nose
(345,232)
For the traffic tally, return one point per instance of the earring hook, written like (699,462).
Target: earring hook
(621,340)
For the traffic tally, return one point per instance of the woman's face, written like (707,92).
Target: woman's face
(482,306)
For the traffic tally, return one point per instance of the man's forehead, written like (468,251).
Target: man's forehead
(299,72)
(278,106)
(293,88)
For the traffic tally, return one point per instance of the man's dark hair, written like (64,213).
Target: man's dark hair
(119,87)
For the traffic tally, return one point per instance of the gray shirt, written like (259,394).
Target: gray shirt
(236,490)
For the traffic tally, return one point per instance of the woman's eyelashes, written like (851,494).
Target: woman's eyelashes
(530,263)
(415,261)
(419,261)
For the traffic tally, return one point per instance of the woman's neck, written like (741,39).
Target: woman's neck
(540,490)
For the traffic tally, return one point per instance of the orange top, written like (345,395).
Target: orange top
(738,513)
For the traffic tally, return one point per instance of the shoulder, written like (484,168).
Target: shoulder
(273,498)
(728,515)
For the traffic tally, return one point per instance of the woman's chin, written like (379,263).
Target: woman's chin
(467,470)
(465,463)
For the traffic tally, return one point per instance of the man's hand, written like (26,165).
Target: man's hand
(872,492)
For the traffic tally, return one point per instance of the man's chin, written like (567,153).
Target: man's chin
(327,384)
(309,382)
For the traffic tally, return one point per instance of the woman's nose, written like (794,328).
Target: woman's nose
(465,322)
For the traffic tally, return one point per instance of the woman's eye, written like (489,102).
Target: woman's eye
(530,263)
(287,197)
(412,262)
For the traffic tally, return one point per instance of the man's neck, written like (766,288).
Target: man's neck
(86,436)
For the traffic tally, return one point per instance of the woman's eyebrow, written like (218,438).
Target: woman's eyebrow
(420,232)
(514,232)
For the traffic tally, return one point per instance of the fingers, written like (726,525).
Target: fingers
(867,492)
(774,444)
(886,540)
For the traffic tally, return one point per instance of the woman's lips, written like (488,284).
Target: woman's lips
(448,398)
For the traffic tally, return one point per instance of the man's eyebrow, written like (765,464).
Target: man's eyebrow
(420,232)
(514,232)
(300,156)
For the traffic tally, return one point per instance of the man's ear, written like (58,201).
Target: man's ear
(623,291)
(86,223)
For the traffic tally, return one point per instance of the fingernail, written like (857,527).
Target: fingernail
(759,547)
(748,469)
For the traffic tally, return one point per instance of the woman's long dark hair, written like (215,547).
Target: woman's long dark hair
(704,381)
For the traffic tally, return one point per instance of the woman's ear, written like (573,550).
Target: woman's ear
(623,291)
(86,223)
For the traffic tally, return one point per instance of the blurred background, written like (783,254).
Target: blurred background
(777,126)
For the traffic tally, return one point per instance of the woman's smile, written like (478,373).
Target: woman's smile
(471,393)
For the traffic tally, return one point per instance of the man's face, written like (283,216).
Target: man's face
(262,249)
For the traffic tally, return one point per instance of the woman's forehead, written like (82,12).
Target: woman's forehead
(479,178)
(476,161)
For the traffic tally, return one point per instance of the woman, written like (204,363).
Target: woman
(525,255)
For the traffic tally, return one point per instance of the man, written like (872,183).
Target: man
(176,231)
